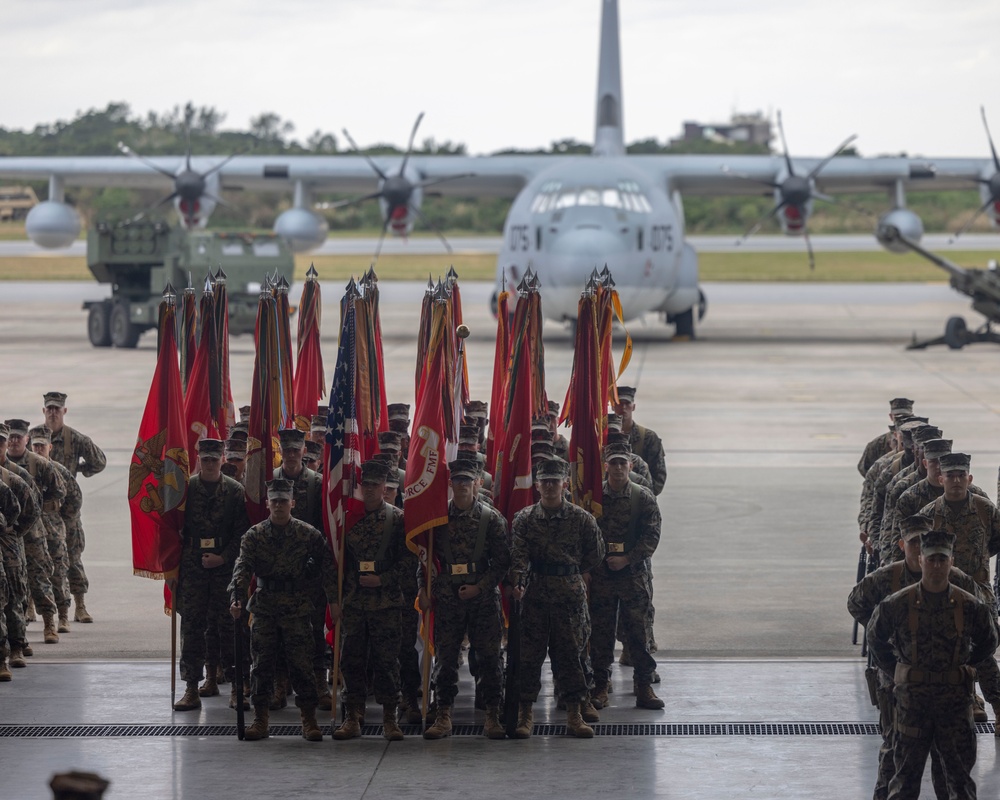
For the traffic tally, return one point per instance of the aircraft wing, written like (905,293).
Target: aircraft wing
(488,176)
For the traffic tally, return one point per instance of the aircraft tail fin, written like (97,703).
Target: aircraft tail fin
(609,136)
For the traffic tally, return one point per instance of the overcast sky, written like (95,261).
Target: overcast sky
(905,75)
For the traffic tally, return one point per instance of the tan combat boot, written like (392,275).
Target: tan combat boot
(979,709)
(29,612)
(350,728)
(411,711)
(599,698)
(442,724)
(51,636)
(492,729)
(5,674)
(17,658)
(310,728)
(646,698)
(323,691)
(525,721)
(575,726)
(390,729)
(81,614)
(64,620)
(258,728)
(190,701)
(588,711)
(232,698)
(210,688)
(996,724)
(279,698)
(27,651)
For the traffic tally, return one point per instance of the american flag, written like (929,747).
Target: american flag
(342,464)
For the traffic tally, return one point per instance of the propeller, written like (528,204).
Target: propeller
(189,186)
(397,190)
(992,183)
(795,191)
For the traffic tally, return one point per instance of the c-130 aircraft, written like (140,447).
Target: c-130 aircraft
(569,215)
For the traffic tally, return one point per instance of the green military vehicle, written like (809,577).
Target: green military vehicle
(139,259)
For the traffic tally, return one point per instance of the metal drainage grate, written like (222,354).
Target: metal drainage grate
(624,729)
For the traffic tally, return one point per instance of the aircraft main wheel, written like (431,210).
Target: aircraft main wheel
(956,333)
(684,324)
(123,332)
(98,325)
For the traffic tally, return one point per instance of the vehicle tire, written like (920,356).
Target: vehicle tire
(684,324)
(123,332)
(98,325)
(956,334)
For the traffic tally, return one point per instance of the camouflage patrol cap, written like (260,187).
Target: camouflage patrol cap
(617,437)
(401,426)
(40,433)
(541,451)
(398,411)
(912,527)
(54,400)
(323,410)
(239,431)
(540,424)
(932,542)
(925,433)
(292,438)
(476,409)
(18,427)
(911,423)
(236,449)
(553,407)
(464,468)
(391,441)
(900,405)
(614,422)
(211,448)
(280,489)
(386,460)
(373,471)
(317,423)
(626,394)
(552,469)
(392,479)
(468,434)
(955,462)
(4,431)
(78,786)
(935,448)
(244,413)
(314,450)
(618,451)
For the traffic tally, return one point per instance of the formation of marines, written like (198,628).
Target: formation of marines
(927,605)
(41,535)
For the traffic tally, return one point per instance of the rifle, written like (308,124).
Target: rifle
(512,676)
(862,569)
(238,629)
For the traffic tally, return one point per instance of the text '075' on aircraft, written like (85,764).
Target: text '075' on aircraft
(569,215)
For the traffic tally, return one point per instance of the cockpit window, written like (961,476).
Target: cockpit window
(590,197)
(626,195)
(566,200)
(546,198)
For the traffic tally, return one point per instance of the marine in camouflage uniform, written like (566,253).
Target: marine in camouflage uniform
(886,442)
(554,544)
(376,560)
(861,603)
(643,441)
(215,520)
(14,559)
(10,509)
(901,463)
(975,522)
(473,556)
(308,507)
(620,586)
(288,557)
(79,455)
(52,490)
(926,636)
(903,480)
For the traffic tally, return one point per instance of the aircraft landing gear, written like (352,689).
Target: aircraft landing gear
(684,325)
(957,335)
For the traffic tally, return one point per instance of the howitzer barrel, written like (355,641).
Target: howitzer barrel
(890,233)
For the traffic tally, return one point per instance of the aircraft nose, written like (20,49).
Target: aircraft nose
(570,256)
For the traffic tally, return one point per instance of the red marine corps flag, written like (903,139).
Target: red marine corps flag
(158,475)
(309,378)
(203,398)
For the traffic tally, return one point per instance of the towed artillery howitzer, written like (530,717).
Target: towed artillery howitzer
(982,285)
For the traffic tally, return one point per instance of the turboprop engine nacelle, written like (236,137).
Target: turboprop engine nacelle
(906,222)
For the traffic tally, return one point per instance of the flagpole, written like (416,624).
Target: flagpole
(336,628)
(426,667)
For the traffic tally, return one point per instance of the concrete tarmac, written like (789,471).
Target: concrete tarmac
(763,417)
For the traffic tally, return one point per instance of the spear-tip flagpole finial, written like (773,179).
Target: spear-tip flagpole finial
(209,287)
(312,274)
(452,275)
(169,294)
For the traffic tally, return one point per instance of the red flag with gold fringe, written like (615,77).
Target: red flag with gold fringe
(309,378)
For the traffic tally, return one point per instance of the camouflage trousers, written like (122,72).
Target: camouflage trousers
(203,596)
(15,603)
(271,637)
(620,598)
(55,539)
(886,764)
(36,553)
(75,542)
(409,664)
(370,635)
(555,619)
(4,600)
(932,715)
(482,620)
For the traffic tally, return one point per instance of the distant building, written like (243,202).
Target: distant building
(752,128)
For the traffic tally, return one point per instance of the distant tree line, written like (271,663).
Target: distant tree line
(96,132)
